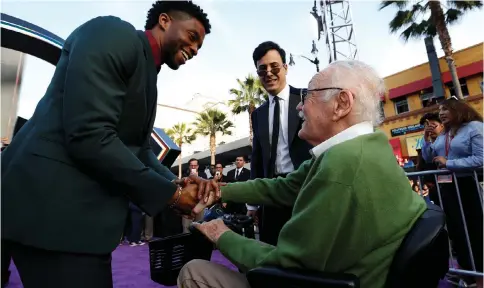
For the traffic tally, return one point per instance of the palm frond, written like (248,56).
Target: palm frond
(399,4)
(465,6)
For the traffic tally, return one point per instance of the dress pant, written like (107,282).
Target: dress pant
(40,268)
(273,219)
(6,259)
(134,235)
(148,232)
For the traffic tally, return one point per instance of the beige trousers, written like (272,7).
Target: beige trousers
(148,228)
(204,274)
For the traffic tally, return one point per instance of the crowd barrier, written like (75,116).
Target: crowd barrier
(444,184)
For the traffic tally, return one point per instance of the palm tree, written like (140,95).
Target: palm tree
(407,16)
(180,134)
(210,122)
(249,95)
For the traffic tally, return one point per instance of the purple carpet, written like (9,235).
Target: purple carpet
(131,269)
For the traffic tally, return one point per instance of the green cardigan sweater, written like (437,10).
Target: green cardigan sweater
(352,208)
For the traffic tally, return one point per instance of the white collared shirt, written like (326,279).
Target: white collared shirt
(352,132)
(238,171)
(283,158)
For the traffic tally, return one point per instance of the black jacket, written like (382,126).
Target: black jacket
(261,148)
(243,176)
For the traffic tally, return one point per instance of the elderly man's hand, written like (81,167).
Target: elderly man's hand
(212,229)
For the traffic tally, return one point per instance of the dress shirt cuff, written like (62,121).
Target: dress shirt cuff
(251,207)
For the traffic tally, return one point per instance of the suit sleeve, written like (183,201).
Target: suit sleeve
(149,159)
(256,163)
(102,57)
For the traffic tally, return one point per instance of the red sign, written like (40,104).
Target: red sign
(396,146)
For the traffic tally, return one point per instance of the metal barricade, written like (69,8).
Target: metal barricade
(447,187)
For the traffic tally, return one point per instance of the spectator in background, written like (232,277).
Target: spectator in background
(459,148)
(218,173)
(194,169)
(239,174)
(433,127)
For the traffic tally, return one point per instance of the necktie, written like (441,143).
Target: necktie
(275,136)
(237,174)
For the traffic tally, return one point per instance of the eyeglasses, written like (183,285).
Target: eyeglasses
(273,70)
(305,92)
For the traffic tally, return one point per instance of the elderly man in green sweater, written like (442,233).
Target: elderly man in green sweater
(352,205)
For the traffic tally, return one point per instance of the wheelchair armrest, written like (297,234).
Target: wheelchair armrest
(279,277)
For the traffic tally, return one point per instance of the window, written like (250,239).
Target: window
(382,111)
(463,87)
(401,105)
(428,97)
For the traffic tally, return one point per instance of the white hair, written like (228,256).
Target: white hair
(361,79)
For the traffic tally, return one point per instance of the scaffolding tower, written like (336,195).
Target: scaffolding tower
(335,24)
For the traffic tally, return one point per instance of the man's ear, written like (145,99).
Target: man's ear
(285,67)
(343,104)
(164,21)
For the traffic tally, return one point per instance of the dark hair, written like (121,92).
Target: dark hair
(218,162)
(431,117)
(265,47)
(462,112)
(243,157)
(416,185)
(169,7)
(193,159)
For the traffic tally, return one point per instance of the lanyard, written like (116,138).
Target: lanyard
(448,139)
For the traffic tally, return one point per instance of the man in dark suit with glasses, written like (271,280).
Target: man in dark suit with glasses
(277,150)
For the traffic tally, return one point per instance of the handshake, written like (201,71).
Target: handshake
(194,194)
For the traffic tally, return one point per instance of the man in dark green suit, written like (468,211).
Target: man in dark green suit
(70,171)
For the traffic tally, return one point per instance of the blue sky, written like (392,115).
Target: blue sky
(238,27)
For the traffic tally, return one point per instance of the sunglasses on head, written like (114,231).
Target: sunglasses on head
(305,92)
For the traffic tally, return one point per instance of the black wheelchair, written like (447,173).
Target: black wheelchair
(421,261)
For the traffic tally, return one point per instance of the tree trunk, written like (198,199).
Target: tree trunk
(438,19)
(212,149)
(251,131)
(180,162)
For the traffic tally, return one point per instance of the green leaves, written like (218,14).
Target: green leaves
(416,19)
(250,93)
(210,122)
(180,133)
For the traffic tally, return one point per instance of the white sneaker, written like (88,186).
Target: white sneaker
(141,243)
(132,244)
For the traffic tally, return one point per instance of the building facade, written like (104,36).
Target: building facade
(410,95)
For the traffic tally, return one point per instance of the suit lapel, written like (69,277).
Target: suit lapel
(152,74)
(263,123)
(293,117)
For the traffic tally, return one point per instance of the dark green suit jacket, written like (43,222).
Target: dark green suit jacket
(68,173)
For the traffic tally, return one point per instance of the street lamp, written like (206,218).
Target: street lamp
(315,61)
